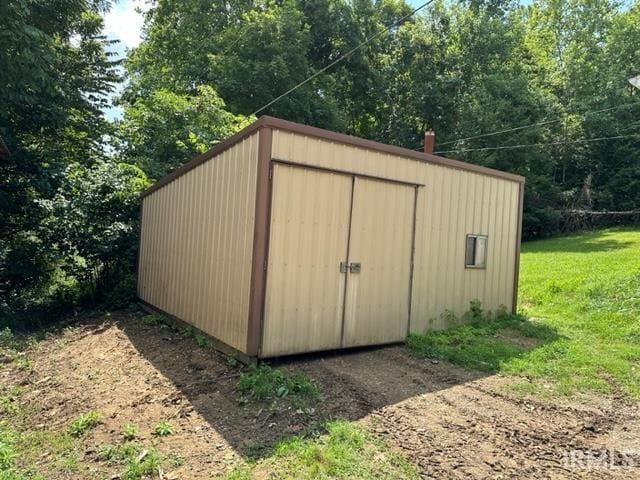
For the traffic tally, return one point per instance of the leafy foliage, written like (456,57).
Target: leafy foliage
(68,210)
(166,129)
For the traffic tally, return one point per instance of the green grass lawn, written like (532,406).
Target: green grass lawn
(345,451)
(587,287)
(579,327)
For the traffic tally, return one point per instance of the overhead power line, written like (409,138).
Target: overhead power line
(538,124)
(508,147)
(339,59)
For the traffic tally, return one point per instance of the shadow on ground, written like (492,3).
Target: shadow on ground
(586,243)
(352,384)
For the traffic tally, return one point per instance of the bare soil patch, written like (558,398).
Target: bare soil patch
(450,422)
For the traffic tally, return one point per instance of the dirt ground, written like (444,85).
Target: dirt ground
(450,422)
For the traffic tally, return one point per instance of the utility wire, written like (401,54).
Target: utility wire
(339,59)
(538,124)
(508,147)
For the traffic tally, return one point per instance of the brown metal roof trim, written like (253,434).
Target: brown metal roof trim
(266,121)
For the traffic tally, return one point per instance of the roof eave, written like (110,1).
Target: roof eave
(286,125)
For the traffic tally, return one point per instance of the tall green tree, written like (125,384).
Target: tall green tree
(466,69)
(56,75)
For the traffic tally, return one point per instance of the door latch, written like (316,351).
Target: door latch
(344,266)
(354,267)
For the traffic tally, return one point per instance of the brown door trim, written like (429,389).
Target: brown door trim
(416,188)
(346,172)
(346,259)
(413,252)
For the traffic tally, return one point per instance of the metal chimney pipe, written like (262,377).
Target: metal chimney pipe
(429,141)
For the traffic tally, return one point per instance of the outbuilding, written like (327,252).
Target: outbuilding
(287,238)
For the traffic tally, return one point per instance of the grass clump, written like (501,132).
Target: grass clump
(9,453)
(84,423)
(154,319)
(137,461)
(162,429)
(486,344)
(344,451)
(129,431)
(137,469)
(114,454)
(9,401)
(266,383)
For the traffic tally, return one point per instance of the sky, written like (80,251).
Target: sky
(123,23)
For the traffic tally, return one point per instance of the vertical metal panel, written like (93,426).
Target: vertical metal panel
(453,203)
(377,299)
(197,243)
(308,240)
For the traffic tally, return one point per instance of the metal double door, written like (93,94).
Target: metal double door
(340,261)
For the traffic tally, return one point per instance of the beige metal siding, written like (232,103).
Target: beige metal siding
(196,244)
(452,203)
(377,299)
(308,240)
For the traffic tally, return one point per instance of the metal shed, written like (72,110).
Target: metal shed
(287,238)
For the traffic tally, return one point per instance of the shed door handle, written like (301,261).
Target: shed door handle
(344,267)
(354,267)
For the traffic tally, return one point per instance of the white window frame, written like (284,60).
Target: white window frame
(479,254)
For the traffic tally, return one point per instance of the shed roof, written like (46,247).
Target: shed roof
(272,122)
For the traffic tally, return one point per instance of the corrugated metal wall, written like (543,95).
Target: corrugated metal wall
(452,204)
(196,244)
(377,299)
(308,239)
(320,220)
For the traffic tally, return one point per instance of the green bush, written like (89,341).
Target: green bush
(123,292)
(82,251)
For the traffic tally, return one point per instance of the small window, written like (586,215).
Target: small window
(476,251)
